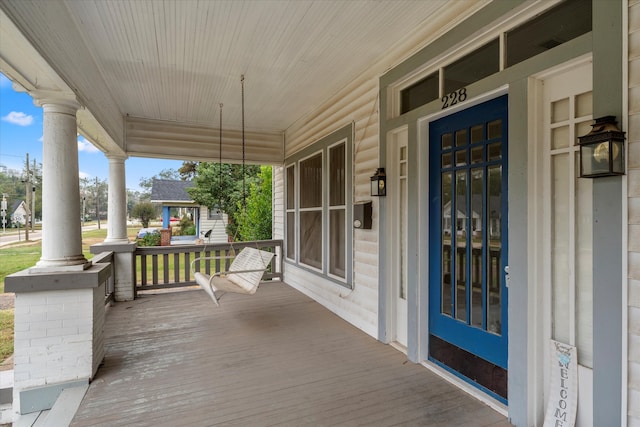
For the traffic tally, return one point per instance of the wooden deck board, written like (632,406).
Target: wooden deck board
(275,358)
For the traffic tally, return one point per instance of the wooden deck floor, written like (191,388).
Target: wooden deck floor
(276,358)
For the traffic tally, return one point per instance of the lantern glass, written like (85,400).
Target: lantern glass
(602,149)
(378,183)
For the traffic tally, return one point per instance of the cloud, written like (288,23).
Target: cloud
(84,175)
(18,118)
(86,146)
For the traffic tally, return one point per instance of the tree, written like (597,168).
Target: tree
(255,223)
(188,170)
(221,187)
(147,183)
(145,212)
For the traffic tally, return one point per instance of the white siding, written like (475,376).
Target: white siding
(358,102)
(277,207)
(219,233)
(634,216)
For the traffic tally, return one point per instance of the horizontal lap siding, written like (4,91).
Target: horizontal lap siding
(278,202)
(358,104)
(633,134)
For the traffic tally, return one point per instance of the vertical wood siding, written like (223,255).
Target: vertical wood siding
(633,137)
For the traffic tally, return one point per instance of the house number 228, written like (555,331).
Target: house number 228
(454,97)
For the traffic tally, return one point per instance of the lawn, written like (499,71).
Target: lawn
(20,256)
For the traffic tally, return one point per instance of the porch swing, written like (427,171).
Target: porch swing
(249,265)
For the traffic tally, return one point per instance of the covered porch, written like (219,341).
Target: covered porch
(275,358)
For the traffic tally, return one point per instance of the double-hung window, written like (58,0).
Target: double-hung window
(318,222)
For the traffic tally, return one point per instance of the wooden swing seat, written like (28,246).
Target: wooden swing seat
(243,277)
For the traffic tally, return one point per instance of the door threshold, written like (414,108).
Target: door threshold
(398,346)
(468,388)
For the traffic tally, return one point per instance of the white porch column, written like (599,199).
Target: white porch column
(117,209)
(61,230)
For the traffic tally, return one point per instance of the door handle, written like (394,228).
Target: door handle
(507,278)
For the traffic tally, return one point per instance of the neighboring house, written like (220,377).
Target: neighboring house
(173,194)
(18,213)
(486,98)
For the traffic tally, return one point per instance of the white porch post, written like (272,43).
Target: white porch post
(59,303)
(61,231)
(117,240)
(117,209)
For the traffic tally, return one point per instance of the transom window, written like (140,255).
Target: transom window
(318,233)
(564,22)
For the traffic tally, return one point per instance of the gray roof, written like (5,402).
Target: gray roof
(168,190)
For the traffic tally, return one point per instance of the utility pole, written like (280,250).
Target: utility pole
(98,202)
(33,198)
(26,195)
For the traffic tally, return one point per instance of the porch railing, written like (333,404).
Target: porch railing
(109,287)
(161,267)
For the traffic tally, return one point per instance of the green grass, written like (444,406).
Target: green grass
(6,333)
(17,257)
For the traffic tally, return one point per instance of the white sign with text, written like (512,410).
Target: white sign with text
(563,388)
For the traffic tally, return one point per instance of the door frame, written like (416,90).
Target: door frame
(394,211)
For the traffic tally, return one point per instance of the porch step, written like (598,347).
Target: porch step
(65,407)
(6,386)
(6,414)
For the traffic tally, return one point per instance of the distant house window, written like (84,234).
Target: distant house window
(213,214)
(318,232)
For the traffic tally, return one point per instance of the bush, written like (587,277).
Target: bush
(150,239)
(145,212)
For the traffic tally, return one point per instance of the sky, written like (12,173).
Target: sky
(21,133)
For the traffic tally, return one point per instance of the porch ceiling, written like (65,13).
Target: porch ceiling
(175,61)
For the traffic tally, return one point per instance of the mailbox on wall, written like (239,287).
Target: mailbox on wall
(362,215)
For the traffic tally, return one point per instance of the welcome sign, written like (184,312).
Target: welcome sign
(563,388)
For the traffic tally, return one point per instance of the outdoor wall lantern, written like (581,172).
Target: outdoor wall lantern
(379,183)
(602,149)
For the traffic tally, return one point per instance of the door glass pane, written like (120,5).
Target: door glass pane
(446,141)
(461,157)
(461,137)
(476,154)
(560,175)
(337,255)
(446,160)
(477,134)
(494,129)
(477,193)
(494,251)
(461,246)
(447,271)
(494,151)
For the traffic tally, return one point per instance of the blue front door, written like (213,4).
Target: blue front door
(468,245)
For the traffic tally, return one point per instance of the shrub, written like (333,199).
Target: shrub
(150,239)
